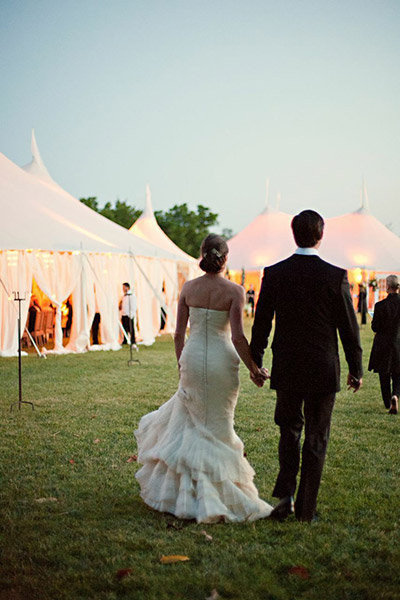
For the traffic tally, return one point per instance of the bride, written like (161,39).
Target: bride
(193,463)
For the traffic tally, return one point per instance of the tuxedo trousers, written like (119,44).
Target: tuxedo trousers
(389,390)
(294,411)
(129,326)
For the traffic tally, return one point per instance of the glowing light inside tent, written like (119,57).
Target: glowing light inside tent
(358,275)
(361,259)
(12,258)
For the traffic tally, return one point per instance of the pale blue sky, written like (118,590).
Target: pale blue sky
(205,99)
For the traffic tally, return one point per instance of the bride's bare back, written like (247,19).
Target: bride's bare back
(213,292)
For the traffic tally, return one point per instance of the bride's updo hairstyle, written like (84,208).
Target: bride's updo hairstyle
(214,251)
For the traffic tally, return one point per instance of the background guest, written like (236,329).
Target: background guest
(385,353)
(362,303)
(127,306)
(250,298)
(34,308)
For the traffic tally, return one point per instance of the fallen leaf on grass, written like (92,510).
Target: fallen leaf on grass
(173,558)
(123,573)
(96,441)
(214,595)
(49,499)
(300,571)
(93,417)
(132,458)
(71,460)
(206,535)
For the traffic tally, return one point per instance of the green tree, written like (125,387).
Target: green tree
(91,202)
(186,227)
(121,212)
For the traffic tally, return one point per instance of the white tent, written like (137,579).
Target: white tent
(147,228)
(265,241)
(68,248)
(359,240)
(355,240)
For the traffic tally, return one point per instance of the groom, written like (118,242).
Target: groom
(311,301)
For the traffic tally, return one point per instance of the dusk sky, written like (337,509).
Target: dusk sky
(205,100)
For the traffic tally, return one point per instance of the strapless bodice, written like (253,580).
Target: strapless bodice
(204,321)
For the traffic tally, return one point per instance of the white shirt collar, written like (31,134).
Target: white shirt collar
(307,251)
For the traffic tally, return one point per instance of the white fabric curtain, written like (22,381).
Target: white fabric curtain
(106,279)
(57,275)
(149,280)
(16,276)
(83,302)
(170,274)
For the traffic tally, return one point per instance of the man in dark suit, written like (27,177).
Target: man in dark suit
(310,300)
(385,353)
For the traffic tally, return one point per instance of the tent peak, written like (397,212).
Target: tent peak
(148,211)
(364,204)
(37,166)
(267,192)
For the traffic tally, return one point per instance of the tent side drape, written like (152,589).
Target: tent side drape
(57,275)
(16,276)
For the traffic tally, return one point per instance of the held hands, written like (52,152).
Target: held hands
(259,376)
(353,383)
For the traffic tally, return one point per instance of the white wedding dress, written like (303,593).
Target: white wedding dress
(193,463)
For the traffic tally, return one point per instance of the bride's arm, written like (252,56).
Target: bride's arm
(181,325)
(238,338)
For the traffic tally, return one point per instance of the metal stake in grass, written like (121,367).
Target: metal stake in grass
(17,298)
(131,360)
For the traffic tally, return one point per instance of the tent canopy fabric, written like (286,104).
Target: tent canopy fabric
(40,215)
(359,240)
(265,241)
(147,228)
(353,240)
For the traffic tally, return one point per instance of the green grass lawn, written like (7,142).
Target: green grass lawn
(86,409)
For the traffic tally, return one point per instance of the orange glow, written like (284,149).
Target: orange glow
(358,276)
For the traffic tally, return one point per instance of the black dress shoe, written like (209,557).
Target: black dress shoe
(314,519)
(283,509)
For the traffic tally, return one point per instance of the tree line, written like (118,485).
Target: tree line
(185,227)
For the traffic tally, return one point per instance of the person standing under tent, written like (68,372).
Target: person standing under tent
(127,306)
(250,298)
(34,308)
(362,303)
(385,353)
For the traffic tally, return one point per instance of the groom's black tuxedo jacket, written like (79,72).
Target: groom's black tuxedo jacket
(311,300)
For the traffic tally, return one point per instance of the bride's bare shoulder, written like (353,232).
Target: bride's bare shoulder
(192,283)
(234,286)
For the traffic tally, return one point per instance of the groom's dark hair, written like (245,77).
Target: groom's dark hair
(308,228)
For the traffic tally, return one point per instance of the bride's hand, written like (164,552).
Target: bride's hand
(259,376)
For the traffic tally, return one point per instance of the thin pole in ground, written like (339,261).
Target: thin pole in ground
(17,298)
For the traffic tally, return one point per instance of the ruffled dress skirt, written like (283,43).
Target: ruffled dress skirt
(193,463)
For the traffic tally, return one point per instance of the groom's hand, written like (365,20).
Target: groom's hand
(353,383)
(259,377)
